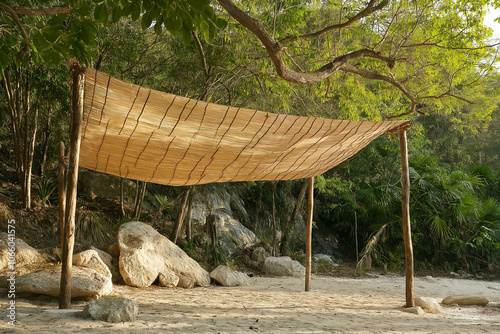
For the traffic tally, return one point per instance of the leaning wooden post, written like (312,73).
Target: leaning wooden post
(78,77)
(310,202)
(403,146)
(61,188)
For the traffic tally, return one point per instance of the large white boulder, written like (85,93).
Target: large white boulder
(145,253)
(91,259)
(111,263)
(16,248)
(283,266)
(85,282)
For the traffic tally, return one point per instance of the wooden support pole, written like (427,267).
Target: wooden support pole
(78,78)
(310,202)
(61,188)
(403,146)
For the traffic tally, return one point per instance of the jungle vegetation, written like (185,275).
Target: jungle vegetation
(432,62)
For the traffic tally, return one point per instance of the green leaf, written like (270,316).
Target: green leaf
(51,33)
(4,59)
(173,24)
(51,57)
(135,11)
(87,31)
(158,26)
(39,41)
(63,49)
(185,34)
(101,13)
(220,23)
(199,5)
(83,10)
(147,20)
(116,14)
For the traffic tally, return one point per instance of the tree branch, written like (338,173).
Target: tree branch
(275,50)
(365,12)
(41,11)
(12,13)
(352,69)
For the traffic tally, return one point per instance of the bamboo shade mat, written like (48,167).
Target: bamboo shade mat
(142,134)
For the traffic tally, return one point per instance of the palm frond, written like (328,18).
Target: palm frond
(366,258)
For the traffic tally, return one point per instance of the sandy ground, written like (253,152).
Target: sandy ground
(277,305)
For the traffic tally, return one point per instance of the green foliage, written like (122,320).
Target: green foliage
(91,227)
(45,189)
(218,256)
(4,193)
(53,38)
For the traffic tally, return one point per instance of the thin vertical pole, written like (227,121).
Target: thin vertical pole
(78,77)
(61,188)
(403,146)
(310,202)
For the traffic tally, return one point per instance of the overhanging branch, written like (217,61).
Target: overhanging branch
(365,12)
(20,10)
(13,13)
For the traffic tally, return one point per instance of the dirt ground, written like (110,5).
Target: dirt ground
(276,305)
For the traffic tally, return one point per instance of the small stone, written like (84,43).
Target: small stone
(429,305)
(186,282)
(168,279)
(415,309)
(114,310)
(227,277)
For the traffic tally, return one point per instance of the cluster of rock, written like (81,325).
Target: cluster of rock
(141,257)
(425,305)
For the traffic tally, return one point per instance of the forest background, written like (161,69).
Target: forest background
(434,63)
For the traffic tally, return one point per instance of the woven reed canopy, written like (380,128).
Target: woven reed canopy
(143,134)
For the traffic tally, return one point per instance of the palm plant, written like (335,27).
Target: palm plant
(45,188)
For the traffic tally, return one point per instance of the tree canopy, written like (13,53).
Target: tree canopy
(417,54)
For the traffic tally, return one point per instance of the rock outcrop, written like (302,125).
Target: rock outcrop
(23,253)
(145,253)
(231,234)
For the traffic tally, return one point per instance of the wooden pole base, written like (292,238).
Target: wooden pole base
(310,202)
(406,219)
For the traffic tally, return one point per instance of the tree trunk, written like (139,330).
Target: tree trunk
(139,199)
(189,235)
(275,232)
(122,204)
(78,76)
(46,142)
(284,247)
(257,210)
(61,188)
(180,217)
(23,124)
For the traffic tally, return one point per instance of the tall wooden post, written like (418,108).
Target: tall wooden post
(310,202)
(61,188)
(403,146)
(78,78)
